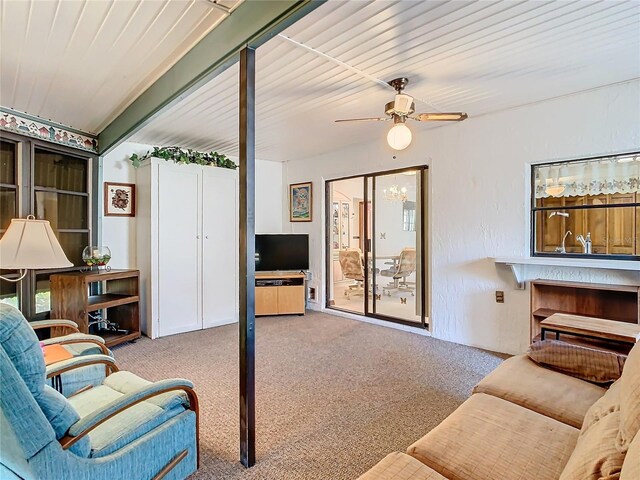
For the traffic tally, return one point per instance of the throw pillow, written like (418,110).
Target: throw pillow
(630,399)
(608,403)
(596,456)
(590,364)
(631,465)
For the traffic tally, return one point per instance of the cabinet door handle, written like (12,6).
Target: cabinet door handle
(207,237)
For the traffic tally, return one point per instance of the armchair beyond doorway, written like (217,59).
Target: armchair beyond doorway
(400,271)
(352,268)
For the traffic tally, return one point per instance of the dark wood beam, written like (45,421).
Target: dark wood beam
(250,25)
(247,257)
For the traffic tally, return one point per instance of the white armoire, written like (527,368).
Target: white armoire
(187,246)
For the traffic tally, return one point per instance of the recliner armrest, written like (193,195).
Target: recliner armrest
(75,338)
(79,362)
(55,322)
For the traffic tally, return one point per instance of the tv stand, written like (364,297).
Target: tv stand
(280,293)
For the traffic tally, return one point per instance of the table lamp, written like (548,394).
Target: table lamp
(30,244)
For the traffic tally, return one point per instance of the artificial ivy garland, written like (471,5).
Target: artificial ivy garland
(180,155)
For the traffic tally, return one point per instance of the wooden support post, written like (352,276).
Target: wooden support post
(247,258)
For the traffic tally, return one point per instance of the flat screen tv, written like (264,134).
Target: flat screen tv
(282,251)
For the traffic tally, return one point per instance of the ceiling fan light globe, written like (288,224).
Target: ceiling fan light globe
(399,137)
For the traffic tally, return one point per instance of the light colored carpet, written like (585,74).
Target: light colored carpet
(333,395)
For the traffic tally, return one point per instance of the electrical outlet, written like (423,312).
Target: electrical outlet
(499,296)
(312,294)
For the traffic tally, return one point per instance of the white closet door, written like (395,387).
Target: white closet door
(219,247)
(178,249)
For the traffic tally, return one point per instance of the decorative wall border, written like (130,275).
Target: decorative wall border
(25,124)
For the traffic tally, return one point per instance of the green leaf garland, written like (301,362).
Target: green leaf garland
(180,155)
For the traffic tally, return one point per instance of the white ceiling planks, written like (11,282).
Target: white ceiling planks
(478,57)
(81,62)
(61,56)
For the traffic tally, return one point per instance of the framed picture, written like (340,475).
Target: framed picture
(300,200)
(119,199)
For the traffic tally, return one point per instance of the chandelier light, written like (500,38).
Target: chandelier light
(395,193)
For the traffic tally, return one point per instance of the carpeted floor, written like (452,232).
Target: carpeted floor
(333,396)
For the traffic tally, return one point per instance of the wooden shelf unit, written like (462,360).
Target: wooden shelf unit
(620,303)
(74,295)
(289,298)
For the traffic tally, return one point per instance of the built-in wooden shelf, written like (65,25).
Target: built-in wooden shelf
(620,303)
(98,302)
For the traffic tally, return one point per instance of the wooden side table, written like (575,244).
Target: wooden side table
(588,327)
(76,295)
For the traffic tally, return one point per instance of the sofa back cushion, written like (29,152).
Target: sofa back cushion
(596,456)
(631,465)
(630,399)
(608,403)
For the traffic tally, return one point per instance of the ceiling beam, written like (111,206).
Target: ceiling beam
(250,25)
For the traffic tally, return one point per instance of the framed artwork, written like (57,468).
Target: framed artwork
(335,226)
(300,200)
(344,225)
(119,199)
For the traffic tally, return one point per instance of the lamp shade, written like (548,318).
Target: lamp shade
(399,137)
(31,244)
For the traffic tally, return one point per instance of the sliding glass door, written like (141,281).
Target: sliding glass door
(377,245)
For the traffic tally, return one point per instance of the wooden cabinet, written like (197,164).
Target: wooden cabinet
(613,302)
(280,294)
(86,297)
(266,300)
(187,240)
(613,230)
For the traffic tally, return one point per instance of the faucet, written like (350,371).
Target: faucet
(562,249)
(585,242)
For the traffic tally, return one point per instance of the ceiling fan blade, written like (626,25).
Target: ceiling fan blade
(440,117)
(368,119)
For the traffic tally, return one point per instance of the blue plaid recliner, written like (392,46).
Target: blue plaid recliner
(126,427)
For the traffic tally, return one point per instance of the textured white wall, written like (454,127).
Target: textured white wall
(270,195)
(479,201)
(119,233)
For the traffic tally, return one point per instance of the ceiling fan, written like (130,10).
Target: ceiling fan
(403,107)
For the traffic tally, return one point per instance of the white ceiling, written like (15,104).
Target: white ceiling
(477,57)
(81,62)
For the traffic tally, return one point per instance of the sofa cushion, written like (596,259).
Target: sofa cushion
(595,456)
(488,437)
(521,381)
(631,465)
(630,399)
(399,466)
(608,403)
(590,364)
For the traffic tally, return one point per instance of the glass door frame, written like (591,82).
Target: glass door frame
(368,179)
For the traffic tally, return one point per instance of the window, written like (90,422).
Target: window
(53,183)
(587,207)
(409,216)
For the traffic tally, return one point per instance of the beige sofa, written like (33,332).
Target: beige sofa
(525,421)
